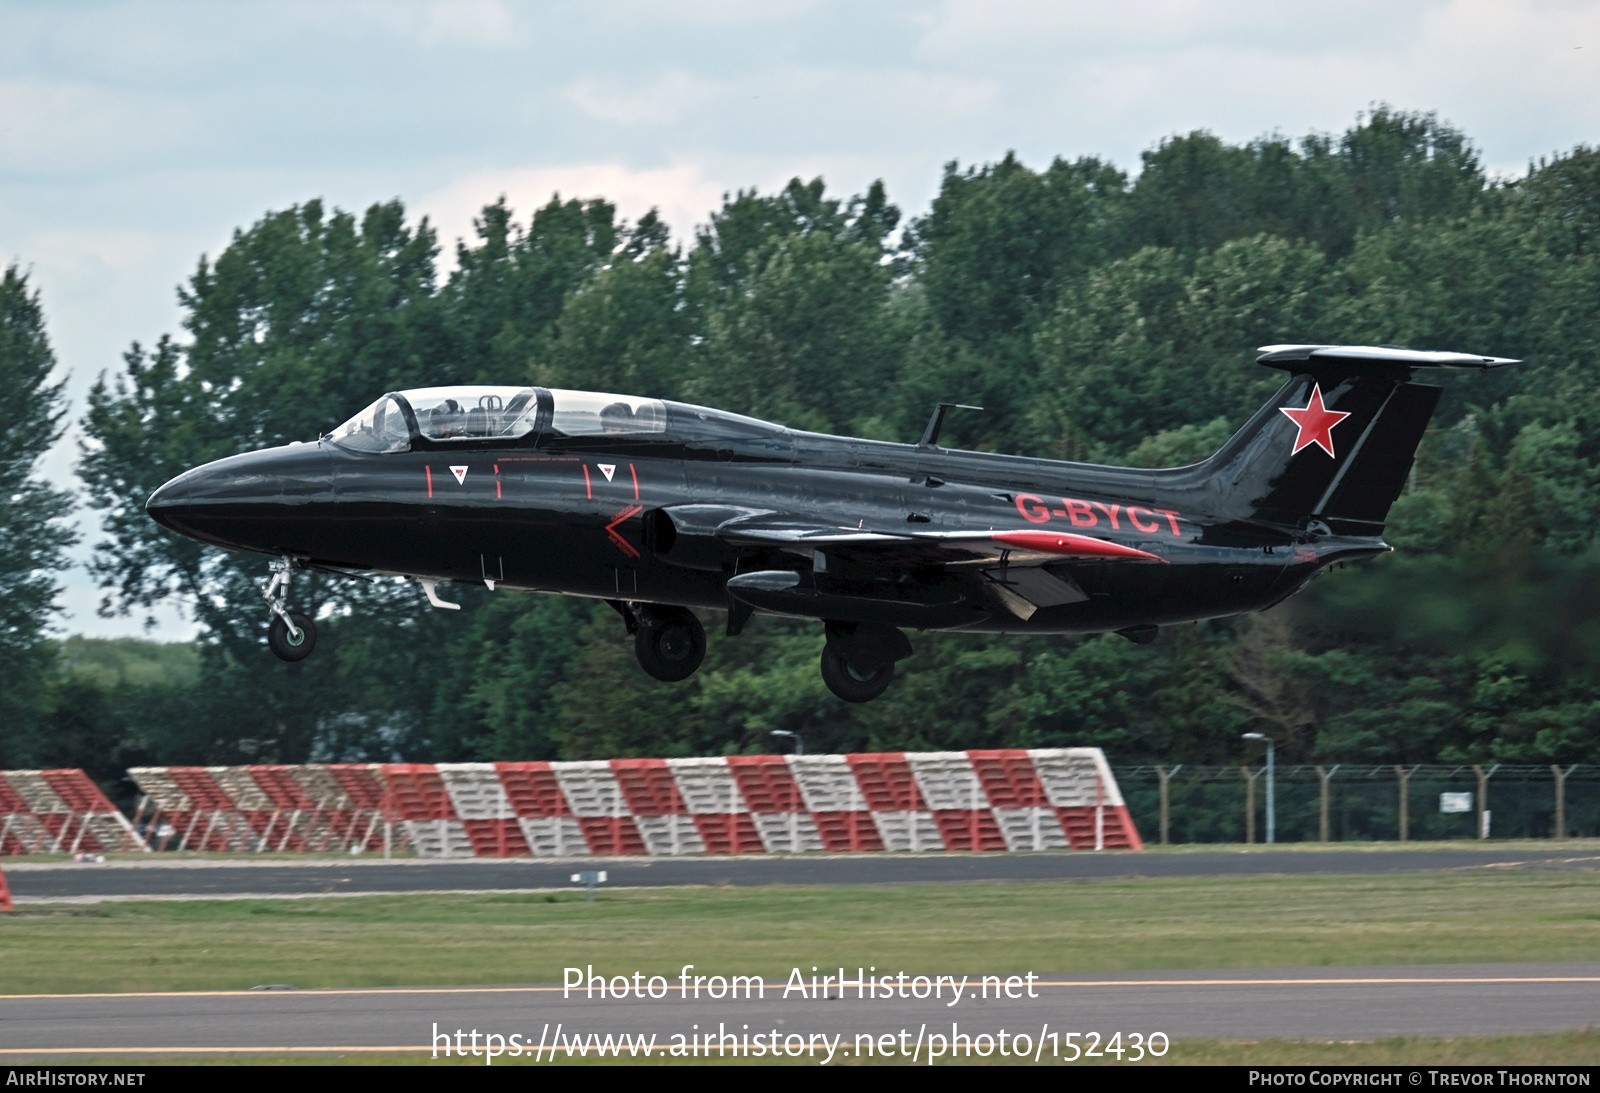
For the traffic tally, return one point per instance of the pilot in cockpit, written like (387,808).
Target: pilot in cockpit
(446,419)
(617,418)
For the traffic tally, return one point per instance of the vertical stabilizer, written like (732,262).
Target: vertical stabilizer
(1336,442)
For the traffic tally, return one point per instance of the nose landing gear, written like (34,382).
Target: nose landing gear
(292,636)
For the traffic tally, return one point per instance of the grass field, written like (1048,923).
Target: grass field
(1465,916)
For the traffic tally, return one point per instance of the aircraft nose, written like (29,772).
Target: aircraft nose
(184,503)
(169,502)
(258,501)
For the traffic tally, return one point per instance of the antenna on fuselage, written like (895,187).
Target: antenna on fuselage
(930,435)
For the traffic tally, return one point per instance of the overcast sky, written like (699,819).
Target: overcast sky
(135,137)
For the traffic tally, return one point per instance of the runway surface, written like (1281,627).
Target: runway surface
(203,879)
(1299,1003)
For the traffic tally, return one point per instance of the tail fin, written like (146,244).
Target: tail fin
(1336,442)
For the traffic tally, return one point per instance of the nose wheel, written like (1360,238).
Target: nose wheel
(292,644)
(669,642)
(292,636)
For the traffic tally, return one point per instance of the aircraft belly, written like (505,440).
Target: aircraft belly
(820,605)
(1120,596)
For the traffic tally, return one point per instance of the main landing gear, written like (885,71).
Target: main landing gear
(669,641)
(858,660)
(292,636)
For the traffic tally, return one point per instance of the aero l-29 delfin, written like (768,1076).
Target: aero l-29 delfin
(660,508)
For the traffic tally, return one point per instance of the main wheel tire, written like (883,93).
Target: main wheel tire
(282,643)
(670,645)
(853,684)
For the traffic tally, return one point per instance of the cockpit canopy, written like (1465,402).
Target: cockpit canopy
(532,415)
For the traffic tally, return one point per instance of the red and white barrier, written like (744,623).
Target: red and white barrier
(1041,799)
(59,811)
(312,807)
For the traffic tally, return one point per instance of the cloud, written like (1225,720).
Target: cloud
(683,194)
(997,29)
(49,127)
(705,13)
(91,253)
(475,24)
(483,24)
(661,100)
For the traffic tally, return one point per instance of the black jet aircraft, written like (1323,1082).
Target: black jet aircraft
(661,508)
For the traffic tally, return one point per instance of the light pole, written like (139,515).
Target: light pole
(1272,824)
(799,744)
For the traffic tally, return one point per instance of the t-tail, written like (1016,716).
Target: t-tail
(1336,443)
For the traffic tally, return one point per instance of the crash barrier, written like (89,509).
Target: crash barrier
(59,811)
(1042,799)
(311,807)
(1190,803)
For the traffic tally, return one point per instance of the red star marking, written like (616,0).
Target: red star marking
(1315,423)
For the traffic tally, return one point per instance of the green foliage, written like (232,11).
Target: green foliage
(1001,240)
(110,661)
(624,330)
(506,292)
(1181,446)
(1149,343)
(33,538)
(1196,193)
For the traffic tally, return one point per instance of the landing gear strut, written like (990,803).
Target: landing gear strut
(669,641)
(292,636)
(858,660)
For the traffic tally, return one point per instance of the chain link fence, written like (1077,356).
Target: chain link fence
(1338,802)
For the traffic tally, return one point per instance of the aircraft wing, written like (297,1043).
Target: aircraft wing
(1016,547)
(1006,566)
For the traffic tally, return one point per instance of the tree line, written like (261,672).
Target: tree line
(1095,315)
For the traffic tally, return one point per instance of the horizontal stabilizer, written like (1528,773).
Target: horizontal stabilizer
(1296,358)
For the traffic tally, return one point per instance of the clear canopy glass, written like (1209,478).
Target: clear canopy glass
(381,427)
(465,413)
(589,413)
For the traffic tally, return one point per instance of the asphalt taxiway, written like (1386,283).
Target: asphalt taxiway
(1157,1007)
(160,878)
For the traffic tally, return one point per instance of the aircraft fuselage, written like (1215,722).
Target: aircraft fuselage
(579,522)
(661,508)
